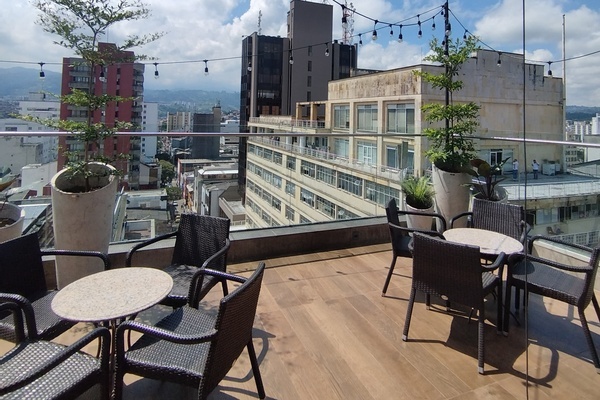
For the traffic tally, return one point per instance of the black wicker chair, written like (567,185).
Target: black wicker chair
(192,347)
(22,274)
(400,236)
(201,241)
(572,284)
(454,272)
(505,218)
(39,369)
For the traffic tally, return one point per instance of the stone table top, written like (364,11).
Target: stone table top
(489,242)
(112,294)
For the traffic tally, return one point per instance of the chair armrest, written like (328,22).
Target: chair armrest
(52,362)
(17,302)
(146,243)
(462,215)
(401,229)
(498,263)
(516,258)
(558,241)
(160,333)
(198,278)
(218,254)
(98,254)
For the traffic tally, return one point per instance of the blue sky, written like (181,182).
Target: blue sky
(213,30)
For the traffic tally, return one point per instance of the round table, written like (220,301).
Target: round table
(489,242)
(112,294)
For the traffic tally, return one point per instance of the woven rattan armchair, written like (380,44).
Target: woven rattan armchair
(571,284)
(39,369)
(400,236)
(201,241)
(454,272)
(22,274)
(192,347)
(505,218)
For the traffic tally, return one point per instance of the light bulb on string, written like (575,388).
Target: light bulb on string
(344,18)
(205,67)
(42,73)
(360,39)
(155,70)
(448,29)
(374,37)
(420,33)
(291,61)
(249,66)
(499,62)
(102,77)
(433,23)
(400,37)
(391,30)
(326,49)
(549,66)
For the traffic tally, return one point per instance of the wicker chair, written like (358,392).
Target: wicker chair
(454,272)
(192,347)
(39,369)
(201,241)
(571,284)
(22,274)
(401,236)
(505,218)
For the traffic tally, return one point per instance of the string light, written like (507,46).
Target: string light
(42,73)
(420,34)
(155,70)
(549,66)
(102,76)
(465,35)
(249,66)
(391,31)
(205,67)
(326,49)
(433,24)
(375,30)
(400,37)
(499,63)
(291,58)
(360,39)
(344,18)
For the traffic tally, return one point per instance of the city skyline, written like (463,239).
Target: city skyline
(197,31)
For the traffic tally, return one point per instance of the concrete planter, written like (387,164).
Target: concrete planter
(452,194)
(82,220)
(419,221)
(14,213)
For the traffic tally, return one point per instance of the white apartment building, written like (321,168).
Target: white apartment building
(19,151)
(149,124)
(352,162)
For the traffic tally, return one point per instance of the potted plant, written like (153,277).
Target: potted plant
(486,180)
(451,146)
(83,193)
(418,196)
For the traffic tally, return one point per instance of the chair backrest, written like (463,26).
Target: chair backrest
(234,324)
(198,238)
(448,269)
(496,216)
(21,267)
(391,212)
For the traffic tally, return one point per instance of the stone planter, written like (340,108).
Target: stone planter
(452,194)
(419,221)
(14,227)
(82,220)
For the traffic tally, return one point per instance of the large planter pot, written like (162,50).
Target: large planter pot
(82,220)
(419,221)
(11,221)
(452,194)
(500,192)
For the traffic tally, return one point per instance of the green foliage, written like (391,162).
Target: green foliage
(80,24)
(418,192)
(451,143)
(174,193)
(487,177)
(167,172)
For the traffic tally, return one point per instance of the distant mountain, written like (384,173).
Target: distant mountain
(16,83)
(582,113)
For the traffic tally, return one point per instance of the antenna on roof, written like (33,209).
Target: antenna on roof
(259,20)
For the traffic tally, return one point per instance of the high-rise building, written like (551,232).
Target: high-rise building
(121,78)
(279,72)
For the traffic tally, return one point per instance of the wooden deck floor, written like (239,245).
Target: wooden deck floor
(323,331)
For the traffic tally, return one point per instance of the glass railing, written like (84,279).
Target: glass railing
(292,180)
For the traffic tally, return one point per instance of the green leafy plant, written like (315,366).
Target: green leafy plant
(451,143)
(486,178)
(80,24)
(418,192)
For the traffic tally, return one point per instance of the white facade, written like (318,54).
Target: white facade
(595,125)
(19,151)
(36,176)
(149,124)
(39,105)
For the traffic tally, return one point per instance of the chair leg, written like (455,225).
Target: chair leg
(596,306)
(225,289)
(411,302)
(480,347)
(255,371)
(588,337)
(499,319)
(389,275)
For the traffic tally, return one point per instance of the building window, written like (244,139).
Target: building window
(304,220)
(326,175)
(308,169)
(290,188)
(309,81)
(341,117)
(325,206)
(308,96)
(290,214)
(367,118)
(367,152)
(291,163)
(350,184)
(391,155)
(342,147)
(310,50)
(309,67)
(307,197)
(401,118)
(380,194)
(277,158)
(342,213)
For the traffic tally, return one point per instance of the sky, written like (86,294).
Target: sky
(197,30)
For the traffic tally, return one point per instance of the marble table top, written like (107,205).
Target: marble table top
(112,294)
(489,242)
